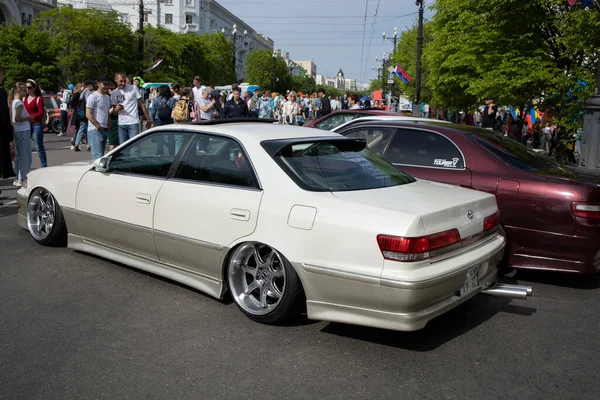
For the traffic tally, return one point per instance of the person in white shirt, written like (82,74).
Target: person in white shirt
(198,88)
(127,99)
(22,126)
(65,99)
(426,110)
(97,113)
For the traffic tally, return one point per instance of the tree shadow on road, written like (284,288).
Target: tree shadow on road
(440,330)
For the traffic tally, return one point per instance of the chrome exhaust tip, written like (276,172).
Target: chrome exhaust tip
(512,291)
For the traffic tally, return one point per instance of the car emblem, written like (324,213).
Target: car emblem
(470,214)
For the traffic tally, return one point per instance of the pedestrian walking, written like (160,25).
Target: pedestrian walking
(22,132)
(65,99)
(80,104)
(97,113)
(236,107)
(34,104)
(6,136)
(325,107)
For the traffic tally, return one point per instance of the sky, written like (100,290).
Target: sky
(331,33)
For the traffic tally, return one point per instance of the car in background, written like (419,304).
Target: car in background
(549,213)
(306,220)
(336,118)
(52,106)
(383,118)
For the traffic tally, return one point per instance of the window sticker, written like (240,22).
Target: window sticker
(442,162)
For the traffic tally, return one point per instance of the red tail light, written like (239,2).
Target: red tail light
(397,248)
(492,221)
(586,210)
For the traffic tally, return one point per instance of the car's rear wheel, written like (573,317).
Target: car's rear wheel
(55,125)
(263,284)
(45,220)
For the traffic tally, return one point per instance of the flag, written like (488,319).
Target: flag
(402,74)
(572,2)
(156,64)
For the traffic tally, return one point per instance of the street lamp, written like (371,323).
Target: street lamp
(416,106)
(274,69)
(233,39)
(394,40)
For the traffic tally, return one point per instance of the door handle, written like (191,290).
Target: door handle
(239,214)
(143,198)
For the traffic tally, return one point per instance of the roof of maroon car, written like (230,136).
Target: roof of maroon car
(440,125)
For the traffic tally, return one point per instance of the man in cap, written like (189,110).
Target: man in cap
(489,113)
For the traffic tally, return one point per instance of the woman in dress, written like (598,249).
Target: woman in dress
(21,121)
(290,109)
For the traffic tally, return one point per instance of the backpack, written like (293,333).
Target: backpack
(265,109)
(164,111)
(181,111)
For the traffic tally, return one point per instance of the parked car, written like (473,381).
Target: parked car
(550,213)
(284,218)
(52,105)
(336,118)
(360,119)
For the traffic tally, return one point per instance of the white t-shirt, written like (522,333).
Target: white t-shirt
(426,108)
(23,125)
(209,114)
(128,98)
(99,104)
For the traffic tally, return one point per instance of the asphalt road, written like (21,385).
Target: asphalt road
(77,326)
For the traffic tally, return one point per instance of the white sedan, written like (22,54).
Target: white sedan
(284,218)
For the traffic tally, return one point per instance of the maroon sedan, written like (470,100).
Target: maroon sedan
(550,214)
(336,118)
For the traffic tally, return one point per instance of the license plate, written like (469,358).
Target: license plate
(471,282)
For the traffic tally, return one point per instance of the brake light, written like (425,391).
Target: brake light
(585,210)
(398,248)
(492,221)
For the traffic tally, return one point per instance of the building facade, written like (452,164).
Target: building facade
(350,84)
(309,66)
(188,16)
(22,12)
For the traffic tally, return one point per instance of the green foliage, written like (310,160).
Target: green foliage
(375,85)
(259,71)
(89,42)
(305,84)
(520,52)
(27,53)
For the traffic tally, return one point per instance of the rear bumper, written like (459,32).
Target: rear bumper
(404,305)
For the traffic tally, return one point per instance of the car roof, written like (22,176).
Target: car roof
(386,118)
(432,123)
(257,131)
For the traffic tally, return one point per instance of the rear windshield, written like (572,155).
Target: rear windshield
(340,165)
(511,152)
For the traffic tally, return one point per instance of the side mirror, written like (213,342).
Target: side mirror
(101,164)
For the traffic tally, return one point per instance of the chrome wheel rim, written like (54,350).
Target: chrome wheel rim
(257,278)
(41,213)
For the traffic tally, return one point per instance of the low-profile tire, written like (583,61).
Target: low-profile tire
(45,219)
(263,284)
(55,125)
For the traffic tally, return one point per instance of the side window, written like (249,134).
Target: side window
(424,149)
(48,103)
(214,159)
(334,121)
(377,138)
(151,155)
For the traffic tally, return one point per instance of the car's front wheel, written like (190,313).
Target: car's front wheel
(45,220)
(263,284)
(55,125)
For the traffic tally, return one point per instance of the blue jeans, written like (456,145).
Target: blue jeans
(23,154)
(126,132)
(97,141)
(37,134)
(83,127)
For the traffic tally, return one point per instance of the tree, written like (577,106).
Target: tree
(259,71)
(89,42)
(28,53)
(305,84)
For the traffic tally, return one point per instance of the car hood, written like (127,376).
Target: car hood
(440,206)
